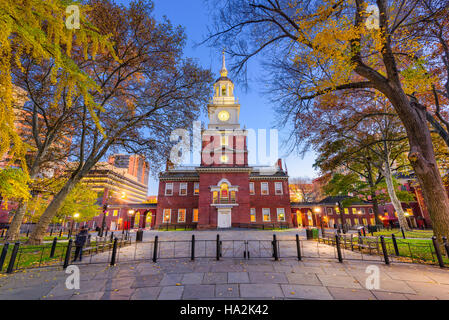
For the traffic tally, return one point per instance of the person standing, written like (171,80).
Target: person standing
(80,240)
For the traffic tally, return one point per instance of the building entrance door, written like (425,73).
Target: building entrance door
(224,218)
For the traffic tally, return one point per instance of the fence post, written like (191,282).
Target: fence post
(395,244)
(403,233)
(60,233)
(3,233)
(51,232)
(275,248)
(156,239)
(218,247)
(114,252)
(337,244)
(112,236)
(384,250)
(67,254)
(3,255)
(192,253)
(438,252)
(298,247)
(12,260)
(53,247)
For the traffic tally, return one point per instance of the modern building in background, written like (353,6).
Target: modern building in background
(134,164)
(224,191)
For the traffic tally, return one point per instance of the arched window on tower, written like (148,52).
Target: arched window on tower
(223,91)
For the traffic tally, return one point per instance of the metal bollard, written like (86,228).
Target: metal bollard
(298,247)
(403,233)
(275,248)
(3,233)
(192,251)
(12,260)
(114,252)
(438,252)
(395,244)
(446,246)
(68,254)
(218,247)
(156,239)
(28,233)
(3,255)
(112,236)
(337,244)
(51,232)
(53,247)
(384,250)
(60,233)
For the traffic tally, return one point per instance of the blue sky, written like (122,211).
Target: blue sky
(256,111)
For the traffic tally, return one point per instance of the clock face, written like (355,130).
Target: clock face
(223,115)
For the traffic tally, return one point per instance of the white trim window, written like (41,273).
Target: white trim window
(169,189)
(280,214)
(183,189)
(253,215)
(166,216)
(181,215)
(195,215)
(278,188)
(264,188)
(196,188)
(251,188)
(266,214)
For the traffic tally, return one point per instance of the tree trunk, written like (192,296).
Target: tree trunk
(422,159)
(13,233)
(394,199)
(38,233)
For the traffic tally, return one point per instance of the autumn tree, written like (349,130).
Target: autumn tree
(326,46)
(39,29)
(148,92)
(37,57)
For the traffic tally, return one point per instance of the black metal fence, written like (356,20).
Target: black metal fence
(111,250)
(389,249)
(18,256)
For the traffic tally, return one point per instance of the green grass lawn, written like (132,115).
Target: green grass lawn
(408,234)
(410,250)
(30,256)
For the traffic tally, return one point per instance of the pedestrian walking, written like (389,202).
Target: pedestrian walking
(80,240)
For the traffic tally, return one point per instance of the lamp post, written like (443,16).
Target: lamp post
(130,214)
(103,223)
(75,216)
(340,207)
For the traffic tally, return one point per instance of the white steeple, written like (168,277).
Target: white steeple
(224,71)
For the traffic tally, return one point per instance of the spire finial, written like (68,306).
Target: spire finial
(224,71)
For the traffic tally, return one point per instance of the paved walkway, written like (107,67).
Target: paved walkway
(312,278)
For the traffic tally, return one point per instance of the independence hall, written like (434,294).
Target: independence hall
(224,191)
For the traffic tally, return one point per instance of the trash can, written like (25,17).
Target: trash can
(315,233)
(139,235)
(309,234)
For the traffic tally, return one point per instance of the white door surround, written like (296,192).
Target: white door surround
(224,218)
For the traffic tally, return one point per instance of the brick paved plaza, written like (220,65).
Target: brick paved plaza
(312,278)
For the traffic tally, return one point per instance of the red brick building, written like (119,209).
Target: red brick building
(224,191)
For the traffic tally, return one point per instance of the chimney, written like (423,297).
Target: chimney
(280,164)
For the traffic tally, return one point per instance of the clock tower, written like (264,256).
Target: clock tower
(223,109)
(224,142)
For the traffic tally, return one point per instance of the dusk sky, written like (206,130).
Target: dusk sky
(256,111)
